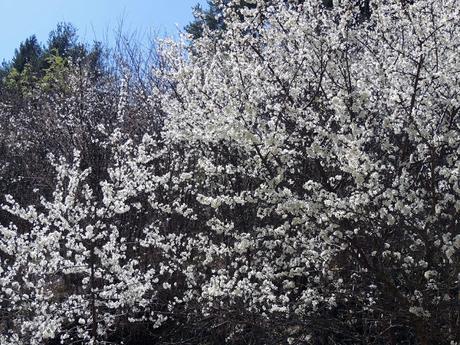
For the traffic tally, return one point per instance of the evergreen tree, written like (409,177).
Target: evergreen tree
(29,53)
(210,17)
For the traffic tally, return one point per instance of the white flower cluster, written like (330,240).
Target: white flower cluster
(308,170)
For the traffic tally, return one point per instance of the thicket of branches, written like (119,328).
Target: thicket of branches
(291,176)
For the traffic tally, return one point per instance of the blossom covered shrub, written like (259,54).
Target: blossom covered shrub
(303,189)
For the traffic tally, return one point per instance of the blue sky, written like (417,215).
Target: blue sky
(94,19)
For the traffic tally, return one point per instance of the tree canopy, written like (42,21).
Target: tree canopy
(292,178)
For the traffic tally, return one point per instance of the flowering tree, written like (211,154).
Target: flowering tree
(304,188)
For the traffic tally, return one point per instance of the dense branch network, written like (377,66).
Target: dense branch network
(297,183)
